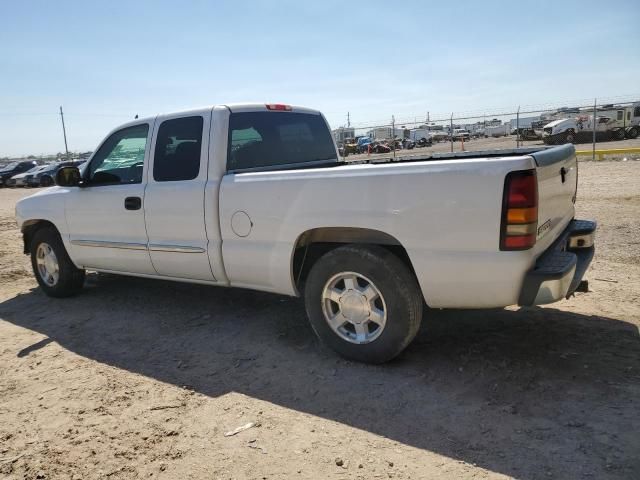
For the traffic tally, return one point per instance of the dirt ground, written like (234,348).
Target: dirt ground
(141,378)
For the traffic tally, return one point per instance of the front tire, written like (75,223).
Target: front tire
(55,272)
(46,181)
(363,302)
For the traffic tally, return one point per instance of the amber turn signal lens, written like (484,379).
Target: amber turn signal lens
(522,215)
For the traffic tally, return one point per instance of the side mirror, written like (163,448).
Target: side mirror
(68,177)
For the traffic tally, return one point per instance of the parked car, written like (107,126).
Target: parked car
(378,147)
(461,134)
(366,244)
(350,147)
(46,176)
(15,168)
(21,179)
(363,144)
(424,142)
(408,144)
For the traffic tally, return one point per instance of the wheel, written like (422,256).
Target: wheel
(633,132)
(570,137)
(46,181)
(55,272)
(363,302)
(619,134)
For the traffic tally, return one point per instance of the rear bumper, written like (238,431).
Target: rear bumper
(559,270)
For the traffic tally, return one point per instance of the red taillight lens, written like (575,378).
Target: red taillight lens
(519,211)
(522,191)
(278,107)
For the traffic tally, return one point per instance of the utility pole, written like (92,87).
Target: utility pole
(451,131)
(518,128)
(64,132)
(593,124)
(393,134)
(348,120)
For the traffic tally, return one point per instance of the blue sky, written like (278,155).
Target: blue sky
(107,61)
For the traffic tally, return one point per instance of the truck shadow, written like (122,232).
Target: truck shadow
(527,394)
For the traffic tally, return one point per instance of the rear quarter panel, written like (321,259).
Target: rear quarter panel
(446,214)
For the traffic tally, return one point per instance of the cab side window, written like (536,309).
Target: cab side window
(177,153)
(120,158)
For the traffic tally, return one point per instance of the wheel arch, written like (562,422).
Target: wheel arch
(29,229)
(313,243)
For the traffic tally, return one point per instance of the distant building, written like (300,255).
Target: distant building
(342,134)
(523,122)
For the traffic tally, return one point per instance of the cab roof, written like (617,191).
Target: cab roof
(232,107)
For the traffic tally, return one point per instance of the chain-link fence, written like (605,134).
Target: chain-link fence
(615,119)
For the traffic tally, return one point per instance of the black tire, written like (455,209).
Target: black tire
(398,290)
(570,137)
(633,132)
(46,181)
(70,279)
(619,134)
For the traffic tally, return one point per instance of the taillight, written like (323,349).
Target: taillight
(519,211)
(278,107)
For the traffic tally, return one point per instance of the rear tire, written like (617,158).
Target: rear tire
(55,272)
(363,302)
(619,134)
(633,132)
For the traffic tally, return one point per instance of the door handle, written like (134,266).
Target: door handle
(133,203)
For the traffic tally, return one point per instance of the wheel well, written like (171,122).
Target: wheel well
(29,229)
(313,244)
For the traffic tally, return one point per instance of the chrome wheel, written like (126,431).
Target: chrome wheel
(47,263)
(354,307)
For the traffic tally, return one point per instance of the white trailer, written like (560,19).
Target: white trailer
(497,130)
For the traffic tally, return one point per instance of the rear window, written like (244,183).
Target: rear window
(272,139)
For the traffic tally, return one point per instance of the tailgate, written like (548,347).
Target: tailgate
(557,172)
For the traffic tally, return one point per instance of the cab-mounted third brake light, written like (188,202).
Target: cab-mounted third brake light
(519,211)
(278,107)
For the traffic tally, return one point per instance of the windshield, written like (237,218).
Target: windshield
(12,165)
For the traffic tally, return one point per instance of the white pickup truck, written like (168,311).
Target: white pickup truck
(255,196)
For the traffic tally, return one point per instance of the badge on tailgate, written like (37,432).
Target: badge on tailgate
(544,228)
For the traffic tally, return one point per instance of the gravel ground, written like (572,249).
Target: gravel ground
(142,379)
